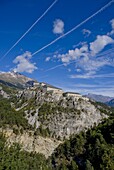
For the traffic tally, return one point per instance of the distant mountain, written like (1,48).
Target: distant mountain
(99,98)
(15,79)
(110,103)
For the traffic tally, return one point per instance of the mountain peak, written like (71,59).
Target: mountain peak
(14,78)
(99,98)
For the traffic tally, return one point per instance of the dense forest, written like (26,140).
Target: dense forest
(93,150)
(8,115)
(14,159)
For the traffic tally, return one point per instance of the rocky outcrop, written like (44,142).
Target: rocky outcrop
(65,123)
(3,93)
(30,142)
(64,116)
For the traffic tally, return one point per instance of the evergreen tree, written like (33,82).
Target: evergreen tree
(88,165)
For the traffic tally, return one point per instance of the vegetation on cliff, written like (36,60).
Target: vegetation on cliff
(14,158)
(8,115)
(92,150)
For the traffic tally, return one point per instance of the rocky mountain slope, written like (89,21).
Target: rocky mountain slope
(93,150)
(110,103)
(31,143)
(14,79)
(40,120)
(59,117)
(99,98)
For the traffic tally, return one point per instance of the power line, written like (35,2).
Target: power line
(74,28)
(30,28)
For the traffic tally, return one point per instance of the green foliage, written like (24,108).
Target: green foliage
(43,132)
(74,166)
(8,89)
(88,165)
(52,108)
(103,108)
(93,150)
(8,116)
(45,109)
(14,159)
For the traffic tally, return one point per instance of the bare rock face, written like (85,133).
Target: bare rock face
(31,143)
(62,117)
(63,124)
(3,93)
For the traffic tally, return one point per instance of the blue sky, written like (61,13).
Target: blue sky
(82,61)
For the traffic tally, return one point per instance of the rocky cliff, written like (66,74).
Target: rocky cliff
(52,118)
(62,116)
(30,142)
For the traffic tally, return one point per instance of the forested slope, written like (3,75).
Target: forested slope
(93,150)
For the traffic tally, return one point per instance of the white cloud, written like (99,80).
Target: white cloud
(84,61)
(82,57)
(74,54)
(24,64)
(99,44)
(112,25)
(83,54)
(81,43)
(91,75)
(94,85)
(86,32)
(69,70)
(78,70)
(58,26)
(88,58)
(47,59)
(95,63)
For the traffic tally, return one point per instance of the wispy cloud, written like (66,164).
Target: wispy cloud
(112,25)
(88,57)
(23,63)
(95,47)
(29,29)
(47,58)
(86,32)
(96,88)
(81,43)
(74,28)
(92,75)
(58,26)
(92,85)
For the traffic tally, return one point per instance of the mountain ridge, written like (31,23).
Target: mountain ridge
(15,79)
(110,103)
(99,98)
